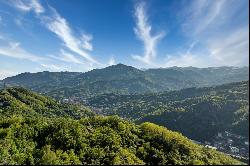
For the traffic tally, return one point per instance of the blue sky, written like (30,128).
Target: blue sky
(79,35)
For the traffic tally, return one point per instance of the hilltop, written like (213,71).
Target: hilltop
(123,79)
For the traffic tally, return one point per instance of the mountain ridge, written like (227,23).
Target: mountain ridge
(125,79)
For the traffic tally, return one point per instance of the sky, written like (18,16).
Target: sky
(80,35)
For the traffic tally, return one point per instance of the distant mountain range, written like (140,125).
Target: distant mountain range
(122,79)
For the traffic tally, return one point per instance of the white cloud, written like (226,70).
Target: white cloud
(61,28)
(201,15)
(86,42)
(52,67)
(28,5)
(6,73)
(214,24)
(66,57)
(143,32)
(232,49)
(223,50)
(111,61)
(186,59)
(75,44)
(14,50)
(37,6)
(69,57)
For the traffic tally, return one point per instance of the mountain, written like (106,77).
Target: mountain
(113,79)
(198,113)
(122,79)
(41,81)
(179,78)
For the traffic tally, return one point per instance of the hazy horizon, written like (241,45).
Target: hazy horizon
(143,69)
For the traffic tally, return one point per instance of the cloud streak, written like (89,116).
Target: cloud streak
(188,58)
(232,49)
(223,50)
(111,61)
(66,57)
(59,26)
(215,25)
(6,73)
(14,50)
(28,5)
(144,33)
(53,67)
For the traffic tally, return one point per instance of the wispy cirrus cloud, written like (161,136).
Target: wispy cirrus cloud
(6,73)
(223,50)
(143,31)
(55,23)
(86,42)
(200,15)
(28,5)
(53,67)
(14,50)
(61,28)
(186,58)
(66,57)
(231,49)
(215,24)
(111,61)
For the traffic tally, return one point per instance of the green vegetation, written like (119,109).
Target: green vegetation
(35,129)
(198,113)
(97,140)
(22,101)
(122,79)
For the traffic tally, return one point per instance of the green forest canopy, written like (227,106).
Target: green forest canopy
(38,130)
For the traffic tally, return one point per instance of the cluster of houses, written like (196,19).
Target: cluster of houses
(232,144)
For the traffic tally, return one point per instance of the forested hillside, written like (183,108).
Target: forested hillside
(179,78)
(35,129)
(97,140)
(122,79)
(199,113)
(22,101)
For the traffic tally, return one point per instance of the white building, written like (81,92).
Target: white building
(234,149)
(211,147)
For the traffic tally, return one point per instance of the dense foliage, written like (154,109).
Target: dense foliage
(35,129)
(97,140)
(124,79)
(199,113)
(25,102)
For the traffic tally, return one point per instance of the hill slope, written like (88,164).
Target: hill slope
(35,129)
(124,79)
(97,140)
(199,113)
(22,101)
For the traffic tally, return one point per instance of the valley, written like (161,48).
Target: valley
(212,112)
